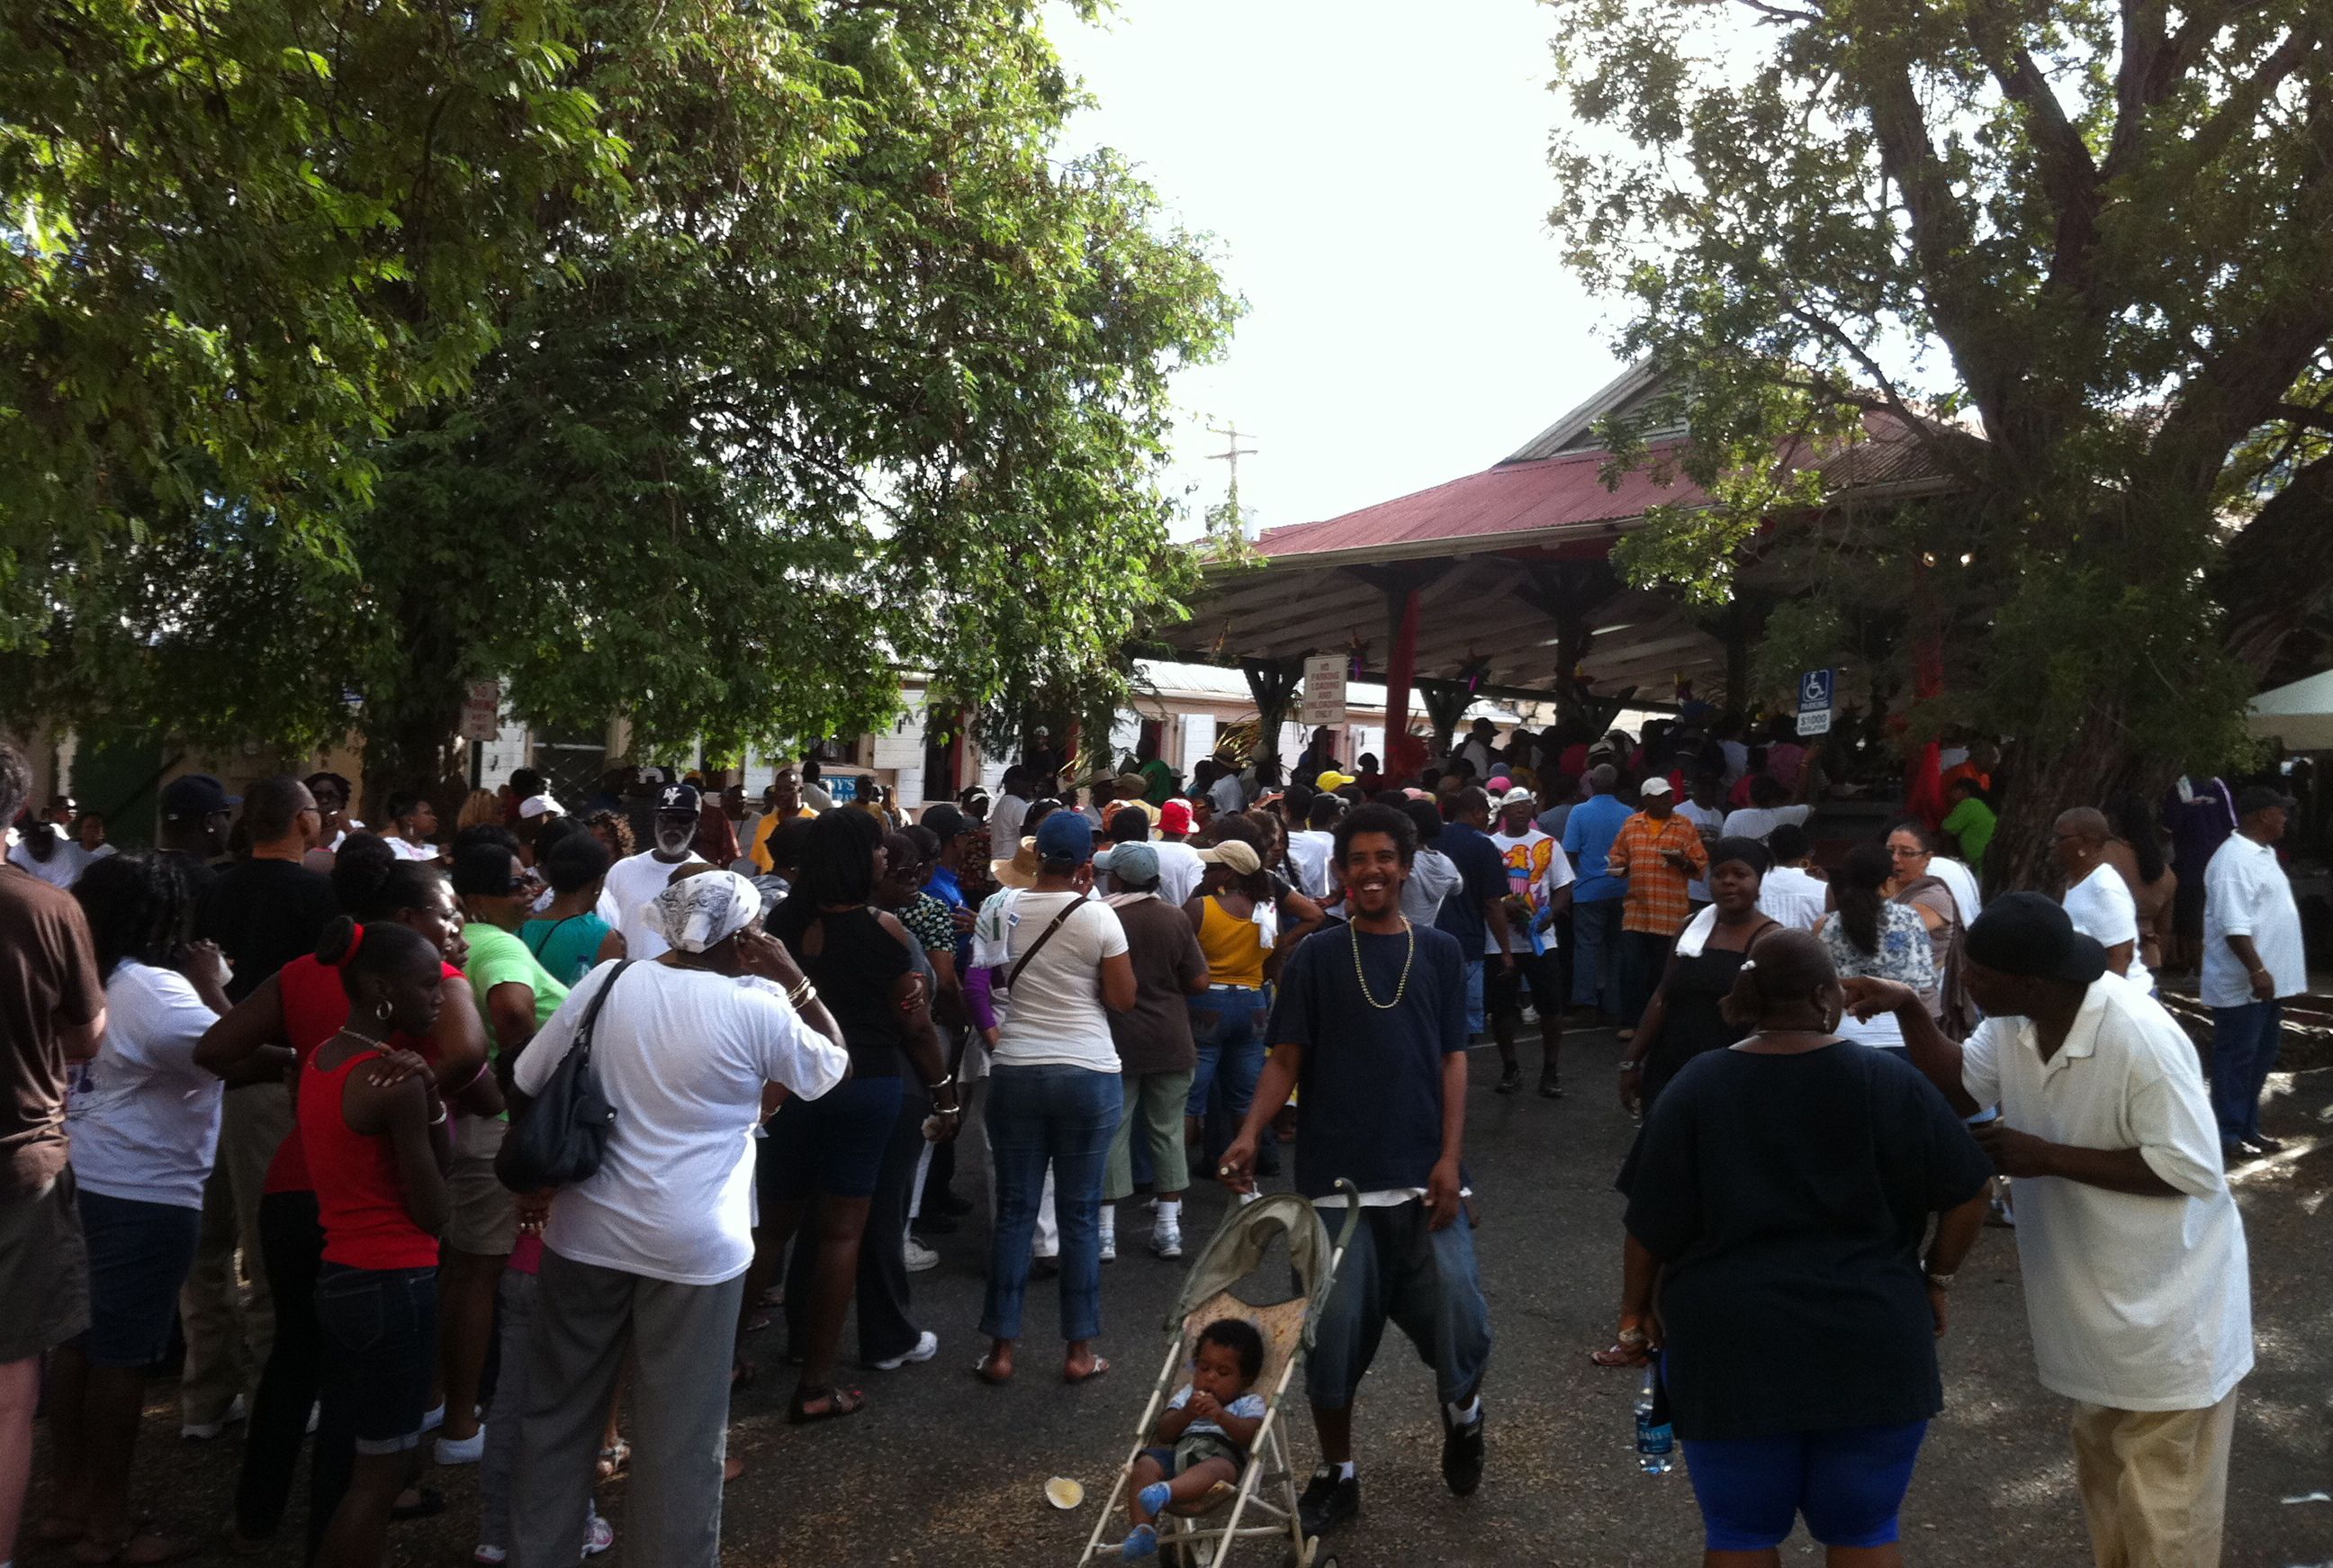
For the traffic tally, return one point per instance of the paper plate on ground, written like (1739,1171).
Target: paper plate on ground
(1063,1493)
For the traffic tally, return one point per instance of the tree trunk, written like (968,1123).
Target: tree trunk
(2278,571)
(2085,768)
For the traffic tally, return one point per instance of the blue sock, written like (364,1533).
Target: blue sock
(1155,1497)
(1142,1542)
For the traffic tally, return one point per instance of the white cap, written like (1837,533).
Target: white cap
(539,807)
(1655,786)
(1517,796)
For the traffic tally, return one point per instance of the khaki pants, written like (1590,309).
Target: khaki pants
(226,1314)
(2155,1483)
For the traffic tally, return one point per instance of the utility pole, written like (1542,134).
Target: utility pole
(1232,455)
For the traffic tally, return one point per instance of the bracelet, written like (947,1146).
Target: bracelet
(438,1120)
(802,995)
(937,1086)
(467,1083)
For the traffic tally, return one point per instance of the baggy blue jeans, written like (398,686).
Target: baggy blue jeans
(1065,1116)
(2243,1049)
(1596,936)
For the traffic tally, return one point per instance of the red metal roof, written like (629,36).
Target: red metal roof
(1511,498)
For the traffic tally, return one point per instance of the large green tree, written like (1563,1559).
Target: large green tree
(850,369)
(2097,235)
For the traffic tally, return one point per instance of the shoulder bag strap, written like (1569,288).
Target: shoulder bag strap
(1043,937)
(583,1048)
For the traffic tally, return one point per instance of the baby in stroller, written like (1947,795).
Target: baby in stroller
(1204,1433)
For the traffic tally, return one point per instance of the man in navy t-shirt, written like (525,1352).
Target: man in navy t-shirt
(1371,1024)
(1476,914)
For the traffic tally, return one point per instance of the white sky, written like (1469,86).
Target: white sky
(1376,177)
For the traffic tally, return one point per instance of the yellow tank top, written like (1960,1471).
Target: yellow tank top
(1234,947)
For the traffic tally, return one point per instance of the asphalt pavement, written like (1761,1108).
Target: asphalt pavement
(942,1470)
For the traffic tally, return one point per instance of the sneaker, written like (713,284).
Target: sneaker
(1110,1247)
(928,1345)
(2260,1143)
(1251,1196)
(467,1450)
(486,1556)
(598,1537)
(1329,1501)
(1166,1241)
(1509,1082)
(1462,1454)
(919,1257)
(204,1431)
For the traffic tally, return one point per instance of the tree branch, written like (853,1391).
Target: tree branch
(2278,571)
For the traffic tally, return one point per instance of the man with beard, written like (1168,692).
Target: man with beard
(1371,1025)
(634,881)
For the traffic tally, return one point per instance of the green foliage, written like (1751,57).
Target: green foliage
(845,369)
(2099,236)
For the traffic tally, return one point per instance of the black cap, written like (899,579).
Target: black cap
(677,800)
(2259,798)
(945,819)
(196,794)
(2029,935)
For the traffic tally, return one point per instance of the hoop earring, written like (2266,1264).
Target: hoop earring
(381,1010)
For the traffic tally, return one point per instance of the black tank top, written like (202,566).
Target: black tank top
(855,969)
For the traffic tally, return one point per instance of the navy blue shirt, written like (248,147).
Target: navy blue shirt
(1483,877)
(1371,1078)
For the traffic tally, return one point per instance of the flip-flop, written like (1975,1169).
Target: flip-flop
(839,1402)
(1100,1365)
(980,1369)
(1618,1355)
(612,1460)
(429,1502)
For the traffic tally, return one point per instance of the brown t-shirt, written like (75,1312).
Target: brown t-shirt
(1153,1035)
(48,980)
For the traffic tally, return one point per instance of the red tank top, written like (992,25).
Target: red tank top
(315,1007)
(359,1195)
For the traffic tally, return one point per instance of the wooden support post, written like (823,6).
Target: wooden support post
(1405,756)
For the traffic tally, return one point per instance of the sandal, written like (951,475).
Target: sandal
(756,1324)
(839,1402)
(1617,1355)
(979,1369)
(742,1373)
(428,1503)
(1100,1365)
(612,1460)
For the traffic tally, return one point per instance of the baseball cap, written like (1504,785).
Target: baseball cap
(196,794)
(1236,853)
(2259,798)
(1655,786)
(677,800)
(1065,836)
(1129,786)
(539,807)
(1330,779)
(1174,817)
(1518,796)
(946,820)
(1498,785)
(1130,862)
(2031,935)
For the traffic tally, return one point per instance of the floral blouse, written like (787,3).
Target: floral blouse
(1904,954)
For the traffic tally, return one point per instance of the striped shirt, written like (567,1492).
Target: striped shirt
(1656,900)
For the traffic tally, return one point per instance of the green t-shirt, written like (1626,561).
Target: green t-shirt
(499,958)
(1971,823)
(567,948)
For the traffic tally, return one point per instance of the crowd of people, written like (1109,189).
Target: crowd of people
(283,1088)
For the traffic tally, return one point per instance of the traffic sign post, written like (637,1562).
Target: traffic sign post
(1324,691)
(482,710)
(1818,693)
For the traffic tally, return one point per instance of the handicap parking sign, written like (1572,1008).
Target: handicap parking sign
(1815,687)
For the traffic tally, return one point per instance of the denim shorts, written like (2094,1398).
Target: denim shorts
(1849,1482)
(138,1255)
(833,1144)
(381,1344)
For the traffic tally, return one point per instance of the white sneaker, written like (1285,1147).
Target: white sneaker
(919,1257)
(467,1450)
(928,1345)
(486,1556)
(1166,1241)
(598,1537)
(1247,1198)
(1110,1247)
(204,1431)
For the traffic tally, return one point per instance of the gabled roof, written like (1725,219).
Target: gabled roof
(1576,431)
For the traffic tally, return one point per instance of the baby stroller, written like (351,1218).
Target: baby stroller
(1262,1505)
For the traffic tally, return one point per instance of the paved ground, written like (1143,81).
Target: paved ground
(940,1470)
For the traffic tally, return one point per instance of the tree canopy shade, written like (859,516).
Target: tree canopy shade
(2098,235)
(842,366)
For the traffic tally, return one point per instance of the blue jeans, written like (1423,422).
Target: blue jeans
(1228,1025)
(380,1332)
(2243,1049)
(1595,941)
(1399,1269)
(1066,1116)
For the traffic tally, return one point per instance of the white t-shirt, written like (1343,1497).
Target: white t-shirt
(142,1118)
(1308,852)
(64,867)
(2133,1302)
(1433,877)
(1711,821)
(1180,871)
(1757,821)
(1005,824)
(2101,907)
(411,851)
(1956,876)
(1793,896)
(1537,868)
(633,883)
(2247,894)
(682,1054)
(1056,1016)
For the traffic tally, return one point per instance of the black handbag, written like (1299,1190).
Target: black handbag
(563,1135)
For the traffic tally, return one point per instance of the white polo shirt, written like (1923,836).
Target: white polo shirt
(2136,1304)
(2247,894)
(2101,907)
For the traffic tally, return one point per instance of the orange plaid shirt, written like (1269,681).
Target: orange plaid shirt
(1656,900)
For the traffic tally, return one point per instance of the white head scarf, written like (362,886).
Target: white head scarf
(705,911)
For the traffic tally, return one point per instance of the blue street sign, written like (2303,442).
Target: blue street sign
(1815,690)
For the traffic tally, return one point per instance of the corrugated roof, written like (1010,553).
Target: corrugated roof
(1512,499)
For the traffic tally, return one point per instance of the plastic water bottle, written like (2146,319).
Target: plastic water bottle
(1656,1439)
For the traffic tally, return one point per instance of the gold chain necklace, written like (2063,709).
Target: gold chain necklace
(1408,959)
